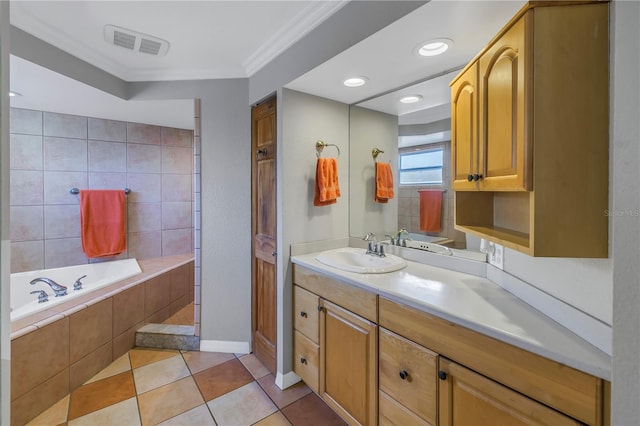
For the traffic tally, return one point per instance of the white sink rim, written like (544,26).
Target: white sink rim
(352,259)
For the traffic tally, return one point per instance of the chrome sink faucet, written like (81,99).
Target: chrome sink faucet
(372,245)
(403,236)
(58,289)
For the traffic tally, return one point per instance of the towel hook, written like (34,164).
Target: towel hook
(375,152)
(320,145)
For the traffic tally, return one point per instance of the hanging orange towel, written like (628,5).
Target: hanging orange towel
(103,222)
(384,183)
(430,210)
(327,189)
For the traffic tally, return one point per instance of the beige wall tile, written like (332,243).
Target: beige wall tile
(89,365)
(144,158)
(145,187)
(105,180)
(57,185)
(107,130)
(65,154)
(89,329)
(127,306)
(29,368)
(125,341)
(145,217)
(144,133)
(27,223)
(26,187)
(26,152)
(177,187)
(27,256)
(177,137)
(61,221)
(40,398)
(177,241)
(26,121)
(179,282)
(160,316)
(107,156)
(145,245)
(157,295)
(65,125)
(177,215)
(63,252)
(177,160)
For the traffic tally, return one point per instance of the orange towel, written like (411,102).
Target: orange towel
(430,210)
(384,183)
(103,222)
(327,189)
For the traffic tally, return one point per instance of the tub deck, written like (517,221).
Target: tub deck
(150,269)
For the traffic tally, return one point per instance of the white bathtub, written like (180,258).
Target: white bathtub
(98,275)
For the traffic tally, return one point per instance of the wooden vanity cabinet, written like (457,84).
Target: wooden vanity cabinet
(345,374)
(530,115)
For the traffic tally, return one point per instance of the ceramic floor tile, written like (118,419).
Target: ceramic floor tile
(169,401)
(55,415)
(159,373)
(140,356)
(282,398)
(276,419)
(222,378)
(200,416)
(243,406)
(103,393)
(199,361)
(122,413)
(254,365)
(311,411)
(118,366)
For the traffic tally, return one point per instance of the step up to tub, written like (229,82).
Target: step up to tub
(167,336)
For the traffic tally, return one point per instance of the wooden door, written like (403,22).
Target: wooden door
(464,129)
(468,398)
(505,159)
(348,364)
(263,143)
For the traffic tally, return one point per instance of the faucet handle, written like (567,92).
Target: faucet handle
(78,284)
(42,296)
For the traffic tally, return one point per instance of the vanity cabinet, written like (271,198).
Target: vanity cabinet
(530,133)
(336,344)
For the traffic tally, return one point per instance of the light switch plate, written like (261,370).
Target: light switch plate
(497,257)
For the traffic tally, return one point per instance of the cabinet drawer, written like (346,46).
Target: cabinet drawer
(408,374)
(305,360)
(305,312)
(391,412)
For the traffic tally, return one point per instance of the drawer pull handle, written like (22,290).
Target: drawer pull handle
(404,374)
(442,375)
(303,314)
(303,360)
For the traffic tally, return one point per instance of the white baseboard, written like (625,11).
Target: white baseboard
(283,381)
(225,346)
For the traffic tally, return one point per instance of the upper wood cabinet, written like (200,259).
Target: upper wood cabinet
(530,126)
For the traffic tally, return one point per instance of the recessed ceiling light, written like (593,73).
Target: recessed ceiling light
(436,46)
(12,94)
(355,81)
(411,99)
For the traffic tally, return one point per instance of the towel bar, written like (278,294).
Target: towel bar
(76,191)
(321,145)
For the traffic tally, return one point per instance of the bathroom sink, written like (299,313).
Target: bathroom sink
(357,260)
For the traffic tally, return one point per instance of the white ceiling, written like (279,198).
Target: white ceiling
(220,39)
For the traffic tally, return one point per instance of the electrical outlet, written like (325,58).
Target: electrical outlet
(496,258)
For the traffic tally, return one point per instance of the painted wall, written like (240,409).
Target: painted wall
(302,120)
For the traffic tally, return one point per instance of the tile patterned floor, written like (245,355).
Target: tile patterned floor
(169,387)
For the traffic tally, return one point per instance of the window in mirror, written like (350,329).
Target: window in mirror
(421,167)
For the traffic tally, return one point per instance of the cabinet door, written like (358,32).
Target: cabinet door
(348,364)
(464,129)
(505,161)
(305,313)
(468,398)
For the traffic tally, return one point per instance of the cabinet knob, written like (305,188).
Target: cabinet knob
(319,308)
(469,177)
(404,374)
(303,360)
(477,177)
(303,314)
(442,375)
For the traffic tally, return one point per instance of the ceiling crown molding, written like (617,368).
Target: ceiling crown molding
(302,24)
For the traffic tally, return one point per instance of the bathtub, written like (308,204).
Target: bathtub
(98,275)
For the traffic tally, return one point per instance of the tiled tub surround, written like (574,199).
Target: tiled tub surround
(50,153)
(54,351)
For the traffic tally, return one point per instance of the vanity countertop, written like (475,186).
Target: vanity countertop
(478,304)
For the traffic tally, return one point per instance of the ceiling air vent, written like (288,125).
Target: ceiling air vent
(135,41)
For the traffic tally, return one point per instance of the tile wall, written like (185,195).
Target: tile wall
(409,204)
(50,153)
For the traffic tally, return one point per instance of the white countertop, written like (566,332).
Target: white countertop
(478,304)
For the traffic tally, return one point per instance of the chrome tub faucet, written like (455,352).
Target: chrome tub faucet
(58,289)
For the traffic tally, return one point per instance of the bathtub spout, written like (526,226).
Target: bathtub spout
(58,289)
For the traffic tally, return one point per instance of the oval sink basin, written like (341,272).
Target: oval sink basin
(357,260)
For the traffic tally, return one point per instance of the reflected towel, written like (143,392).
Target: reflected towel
(384,183)
(430,210)
(327,189)
(103,222)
